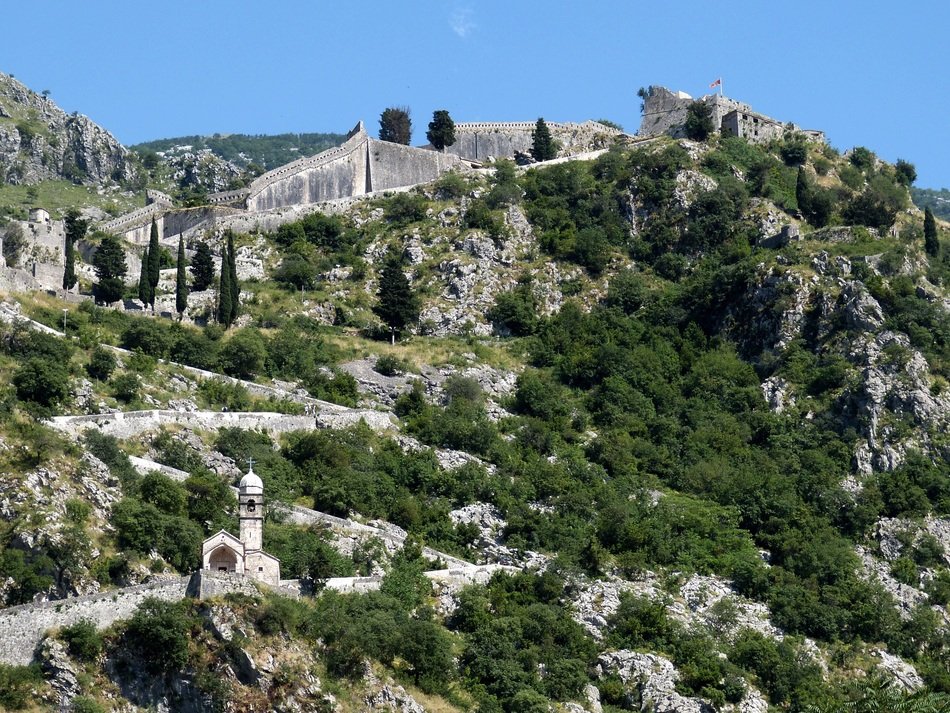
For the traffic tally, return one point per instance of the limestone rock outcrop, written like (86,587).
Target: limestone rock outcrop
(39,141)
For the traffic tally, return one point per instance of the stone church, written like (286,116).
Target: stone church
(223,552)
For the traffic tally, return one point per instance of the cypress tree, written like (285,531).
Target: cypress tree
(154,262)
(69,268)
(146,295)
(931,243)
(75,231)
(441,131)
(543,146)
(224,293)
(202,267)
(233,279)
(181,280)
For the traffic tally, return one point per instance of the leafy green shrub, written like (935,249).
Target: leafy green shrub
(451,186)
(126,386)
(85,704)
(159,633)
(515,311)
(479,216)
(42,382)
(390,365)
(83,640)
(232,397)
(699,121)
(147,335)
(904,570)
(17,684)
(405,208)
(101,364)
(243,355)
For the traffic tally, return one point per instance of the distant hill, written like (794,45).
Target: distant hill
(242,149)
(937,201)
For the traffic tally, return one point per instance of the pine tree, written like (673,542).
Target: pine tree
(75,231)
(931,242)
(441,131)
(233,279)
(181,280)
(543,146)
(202,267)
(146,295)
(154,263)
(224,293)
(397,305)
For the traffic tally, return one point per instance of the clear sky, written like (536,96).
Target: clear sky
(866,72)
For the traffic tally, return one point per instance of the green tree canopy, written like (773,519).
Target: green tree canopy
(931,242)
(543,145)
(395,125)
(397,304)
(441,131)
(699,121)
(202,267)
(109,264)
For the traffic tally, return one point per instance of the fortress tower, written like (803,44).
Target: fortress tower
(223,552)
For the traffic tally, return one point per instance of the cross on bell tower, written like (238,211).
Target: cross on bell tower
(251,509)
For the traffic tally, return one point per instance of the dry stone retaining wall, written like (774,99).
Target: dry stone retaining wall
(22,628)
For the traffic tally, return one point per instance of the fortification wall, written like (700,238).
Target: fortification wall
(478,141)
(330,174)
(396,166)
(186,220)
(22,628)
(136,226)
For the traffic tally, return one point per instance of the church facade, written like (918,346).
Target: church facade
(223,552)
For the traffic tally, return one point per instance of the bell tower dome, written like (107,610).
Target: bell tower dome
(251,510)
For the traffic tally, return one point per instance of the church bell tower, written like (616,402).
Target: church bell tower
(251,510)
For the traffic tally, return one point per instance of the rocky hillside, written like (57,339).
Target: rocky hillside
(692,396)
(39,141)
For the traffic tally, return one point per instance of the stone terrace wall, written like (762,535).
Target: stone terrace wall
(135,226)
(22,628)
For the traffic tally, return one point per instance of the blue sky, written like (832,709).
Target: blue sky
(867,73)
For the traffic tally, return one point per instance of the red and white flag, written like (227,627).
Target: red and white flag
(717,83)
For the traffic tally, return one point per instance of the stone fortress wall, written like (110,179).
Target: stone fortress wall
(478,141)
(360,166)
(664,112)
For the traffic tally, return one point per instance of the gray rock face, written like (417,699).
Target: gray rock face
(651,681)
(39,141)
(59,670)
(393,698)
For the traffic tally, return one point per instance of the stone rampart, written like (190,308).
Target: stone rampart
(477,141)
(135,226)
(392,165)
(22,628)
(129,424)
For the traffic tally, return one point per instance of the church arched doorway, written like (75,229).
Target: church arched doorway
(223,559)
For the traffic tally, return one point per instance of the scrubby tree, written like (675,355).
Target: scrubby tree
(699,121)
(906,172)
(42,381)
(543,145)
(395,125)
(109,264)
(397,304)
(202,267)
(931,243)
(441,131)
(181,280)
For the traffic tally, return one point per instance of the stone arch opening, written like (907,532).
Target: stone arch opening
(223,559)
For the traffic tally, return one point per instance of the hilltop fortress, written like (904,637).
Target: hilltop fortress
(363,165)
(664,112)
